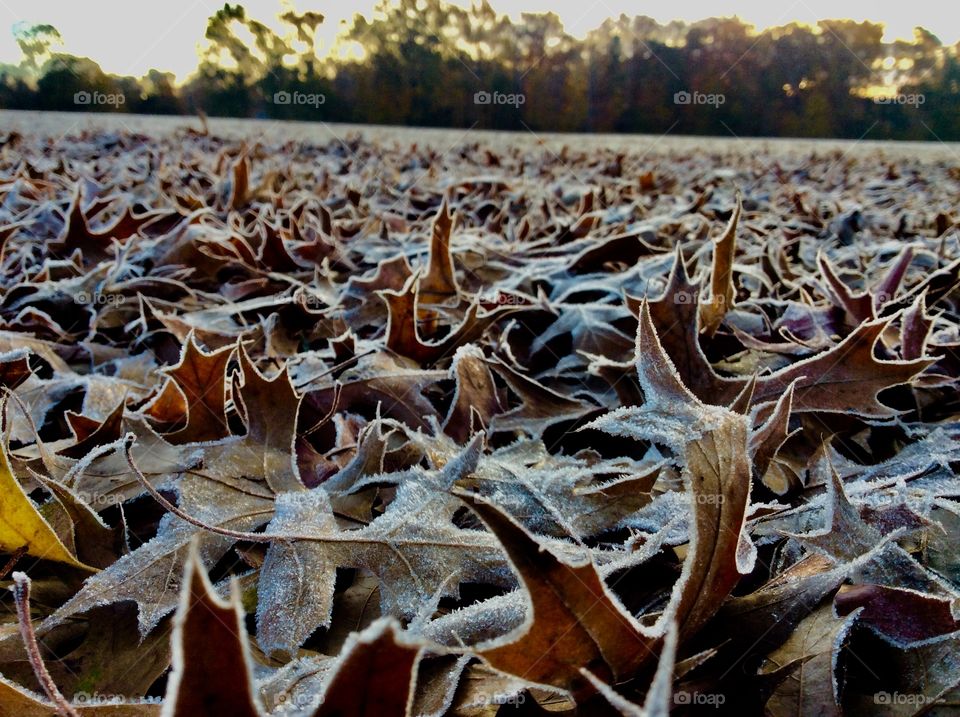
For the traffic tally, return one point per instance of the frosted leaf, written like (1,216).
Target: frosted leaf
(295,591)
(295,689)
(814,689)
(438,684)
(150,575)
(414,547)
(565,496)
(106,477)
(483,621)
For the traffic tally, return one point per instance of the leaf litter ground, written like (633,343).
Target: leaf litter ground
(376,427)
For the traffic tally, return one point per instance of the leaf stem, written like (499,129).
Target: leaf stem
(21,596)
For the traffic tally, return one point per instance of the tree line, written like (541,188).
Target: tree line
(427,63)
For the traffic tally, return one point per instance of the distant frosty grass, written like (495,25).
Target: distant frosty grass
(59,123)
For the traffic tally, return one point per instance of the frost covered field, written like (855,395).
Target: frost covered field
(324,420)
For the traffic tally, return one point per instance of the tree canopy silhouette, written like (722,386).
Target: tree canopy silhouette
(427,63)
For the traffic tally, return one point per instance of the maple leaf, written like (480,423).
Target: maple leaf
(846,378)
(713,443)
(201,378)
(766,617)
(414,548)
(439,284)
(384,662)
(541,407)
(211,669)
(905,616)
(574,622)
(813,688)
(476,401)
(403,337)
(91,433)
(270,411)
(722,291)
(147,575)
(94,244)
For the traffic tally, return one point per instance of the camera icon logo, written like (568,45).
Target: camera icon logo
(281,98)
(82,98)
(682,98)
(482,98)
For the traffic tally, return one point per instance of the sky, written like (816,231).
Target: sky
(130,37)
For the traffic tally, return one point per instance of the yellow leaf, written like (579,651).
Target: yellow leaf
(22,526)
